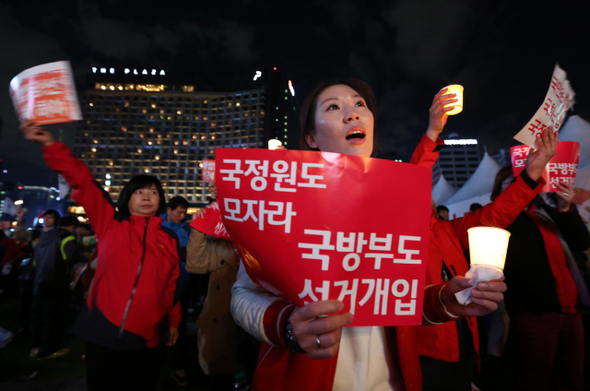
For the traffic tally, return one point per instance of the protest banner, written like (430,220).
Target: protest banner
(561,168)
(208,170)
(558,101)
(318,225)
(46,94)
(211,223)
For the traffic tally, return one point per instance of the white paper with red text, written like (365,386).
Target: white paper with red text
(559,99)
(46,94)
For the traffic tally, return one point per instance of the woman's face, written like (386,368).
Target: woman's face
(343,123)
(144,202)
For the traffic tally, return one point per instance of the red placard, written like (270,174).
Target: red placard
(210,223)
(561,168)
(208,170)
(313,226)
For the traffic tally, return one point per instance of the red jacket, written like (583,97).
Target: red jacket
(447,243)
(279,369)
(135,290)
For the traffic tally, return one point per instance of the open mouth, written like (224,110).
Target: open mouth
(356,134)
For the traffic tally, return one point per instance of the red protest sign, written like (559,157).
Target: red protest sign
(46,94)
(315,226)
(210,223)
(561,168)
(208,170)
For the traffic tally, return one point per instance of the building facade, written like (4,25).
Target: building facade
(458,159)
(139,123)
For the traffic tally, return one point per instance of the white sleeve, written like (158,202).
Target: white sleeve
(249,302)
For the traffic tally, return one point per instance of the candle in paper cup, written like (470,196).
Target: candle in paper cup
(487,246)
(456,89)
(274,144)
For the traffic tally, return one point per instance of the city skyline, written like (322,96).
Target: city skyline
(503,53)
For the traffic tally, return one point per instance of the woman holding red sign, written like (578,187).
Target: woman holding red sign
(338,117)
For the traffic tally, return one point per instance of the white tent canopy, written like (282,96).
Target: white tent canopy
(442,191)
(480,182)
(577,129)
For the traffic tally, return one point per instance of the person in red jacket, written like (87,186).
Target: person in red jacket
(449,352)
(133,308)
(308,348)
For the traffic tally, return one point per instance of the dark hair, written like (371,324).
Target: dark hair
(177,201)
(475,206)
(87,227)
(139,182)
(501,176)
(307,114)
(441,207)
(68,221)
(55,215)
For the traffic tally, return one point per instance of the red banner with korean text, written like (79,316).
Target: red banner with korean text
(315,226)
(46,94)
(561,168)
(208,170)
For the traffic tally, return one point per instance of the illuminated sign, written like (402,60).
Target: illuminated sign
(467,141)
(257,75)
(126,71)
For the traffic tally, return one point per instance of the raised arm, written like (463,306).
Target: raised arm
(86,192)
(426,153)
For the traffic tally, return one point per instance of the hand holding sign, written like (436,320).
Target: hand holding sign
(318,329)
(35,133)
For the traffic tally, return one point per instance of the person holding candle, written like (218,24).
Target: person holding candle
(134,300)
(449,352)
(307,347)
(543,302)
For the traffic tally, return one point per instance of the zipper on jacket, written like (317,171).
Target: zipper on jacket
(122,328)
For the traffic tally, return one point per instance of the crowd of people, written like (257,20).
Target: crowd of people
(132,289)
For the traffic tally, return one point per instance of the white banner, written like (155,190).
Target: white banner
(558,101)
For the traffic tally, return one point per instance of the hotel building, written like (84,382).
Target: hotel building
(140,121)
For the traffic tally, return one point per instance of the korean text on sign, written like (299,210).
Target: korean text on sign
(314,225)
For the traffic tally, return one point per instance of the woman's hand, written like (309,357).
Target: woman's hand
(438,113)
(36,133)
(199,214)
(317,332)
(173,336)
(486,296)
(565,196)
(544,150)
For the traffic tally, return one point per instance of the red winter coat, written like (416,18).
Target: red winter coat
(135,294)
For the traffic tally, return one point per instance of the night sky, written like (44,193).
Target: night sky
(502,52)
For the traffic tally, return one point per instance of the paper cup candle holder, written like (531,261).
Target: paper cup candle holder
(456,89)
(487,250)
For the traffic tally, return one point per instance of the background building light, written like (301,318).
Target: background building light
(467,141)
